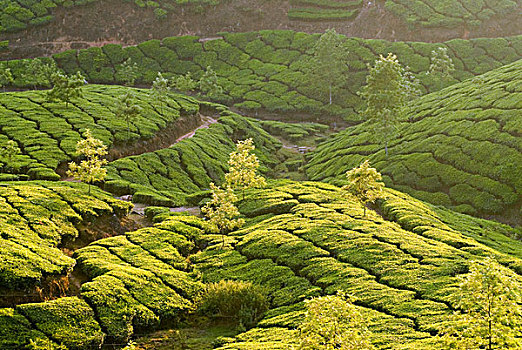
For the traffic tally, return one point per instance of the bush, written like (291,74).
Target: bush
(243,302)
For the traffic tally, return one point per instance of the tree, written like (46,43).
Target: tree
(441,65)
(364,184)
(221,211)
(9,151)
(333,322)
(329,62)
(243,166)
(91,168)
(388,88)
(209,84)
(490,297)
(66,87)
(40,73)
(6,77)
(129,72)
(159,90)
(184,83)
(127,109)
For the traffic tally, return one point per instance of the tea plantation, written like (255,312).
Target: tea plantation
(450,13)
(265,70)
(36,218)
(300,240)
(459,147)
(167,176)
(47,132)
(18,15)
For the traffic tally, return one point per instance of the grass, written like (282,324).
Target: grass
(300,240)
(459,147)
(47,132)
(264,70)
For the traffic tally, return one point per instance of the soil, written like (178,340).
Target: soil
(117,21)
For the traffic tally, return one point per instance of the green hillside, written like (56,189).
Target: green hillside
(47,132)
(459,147)
(300,240)
(448,14)
(264,70)
(36,218)
(167,176)
(18,15)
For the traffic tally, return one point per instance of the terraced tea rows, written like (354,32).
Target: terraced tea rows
(265,70)
(17,15)
(451,13)
(167,176)
(47,132)
(301,240)
(36,218)
(460,147)
(324,10)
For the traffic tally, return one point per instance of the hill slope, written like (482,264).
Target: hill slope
(300,240)
(460,147)
(265,70)
(47,132)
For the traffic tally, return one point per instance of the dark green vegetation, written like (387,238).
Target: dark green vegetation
(459,147)
(450,13)
(265,70)
(36,218)
(47,132)
(17,15)
(300,240)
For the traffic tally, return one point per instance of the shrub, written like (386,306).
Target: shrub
(242,302)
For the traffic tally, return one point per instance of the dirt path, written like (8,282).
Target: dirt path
(205,123)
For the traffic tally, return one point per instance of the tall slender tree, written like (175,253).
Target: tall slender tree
(160,90)
(91,168)
(128,109)
(388,88)
(244,164)
(221,210)
(489,300)
(364,184)
(329,63)
(66,87)
(441,65)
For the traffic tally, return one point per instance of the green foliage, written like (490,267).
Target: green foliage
(329,62)
(91,169)
(128,109)
(6,77)
(452,149)
(441,65)
(9,151)
(333,322)
(128,72)
(221,210)
(386,91)
(490,299)
(243,302)
(184,83)
(363,183)
(40,72)
(209,85)
(65,87)
(243,166)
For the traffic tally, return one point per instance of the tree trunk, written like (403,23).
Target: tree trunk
(386,148)
(330,92)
